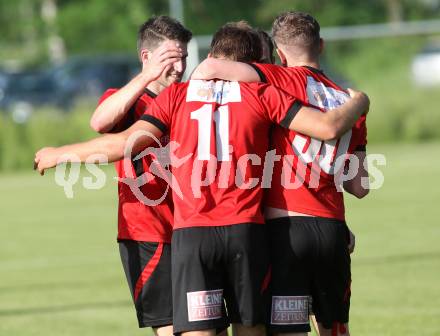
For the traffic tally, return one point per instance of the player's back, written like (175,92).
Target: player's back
(310,185)
(222,134)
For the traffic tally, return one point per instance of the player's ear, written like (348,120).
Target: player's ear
(282,57)
(209,55)
(145,55)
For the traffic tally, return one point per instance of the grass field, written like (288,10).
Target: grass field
(61,275)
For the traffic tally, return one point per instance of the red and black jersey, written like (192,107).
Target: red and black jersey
(310,165)
(136,220)
(221,131)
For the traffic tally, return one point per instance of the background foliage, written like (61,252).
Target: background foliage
(400,111)
(100,25)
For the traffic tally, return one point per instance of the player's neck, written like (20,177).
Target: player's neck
(155,87)
(303,61)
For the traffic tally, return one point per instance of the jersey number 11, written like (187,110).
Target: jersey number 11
(221,120)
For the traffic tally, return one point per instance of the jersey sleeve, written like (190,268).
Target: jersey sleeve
(284,78)
(259,71)
(106,94)
(160,110)
(280,107)
(361,125)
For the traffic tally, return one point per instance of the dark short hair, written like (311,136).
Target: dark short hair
(297,29)
(159,28)
(266,45)
(237,42)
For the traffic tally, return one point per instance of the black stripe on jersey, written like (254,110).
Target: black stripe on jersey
(259,72)
(361,148)
(156,122)
(150,93)
(315,70)
(291,113)
(129,120)
(138,167)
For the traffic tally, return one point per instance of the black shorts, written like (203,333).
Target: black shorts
(213,265)
(310,271)
(147,267)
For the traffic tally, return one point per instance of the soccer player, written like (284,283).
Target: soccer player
(306,221)
(220,132)
(144,231)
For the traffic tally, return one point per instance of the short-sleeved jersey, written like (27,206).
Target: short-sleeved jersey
(310,165)
(221,135)
(136,220)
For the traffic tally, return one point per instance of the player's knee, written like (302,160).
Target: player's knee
(223,333)
(163,331)
(210,332)
(341,329)
(241,330)
(338,329)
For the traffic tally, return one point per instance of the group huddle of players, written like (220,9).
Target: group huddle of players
(228,248)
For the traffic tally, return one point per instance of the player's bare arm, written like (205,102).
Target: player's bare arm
(112,109)
(333,123)
(212,68)
(112,146)
(309,121)
(358,186)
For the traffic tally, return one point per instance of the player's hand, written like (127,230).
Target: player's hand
(45,158)
(161,60)
(362,99)
(352,243)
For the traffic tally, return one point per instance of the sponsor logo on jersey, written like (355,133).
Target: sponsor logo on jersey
(219,92)
(324,97)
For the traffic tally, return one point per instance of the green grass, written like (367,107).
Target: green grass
(396,266)
(61,275)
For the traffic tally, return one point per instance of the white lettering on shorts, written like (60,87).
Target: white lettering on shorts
(205,305)
(290,310)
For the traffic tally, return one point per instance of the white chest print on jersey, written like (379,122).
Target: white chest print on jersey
(322,153)
(324,97)
(220,92)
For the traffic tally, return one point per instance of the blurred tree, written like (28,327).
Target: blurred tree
(21,31)
(395,10)
(401,10)
(420,9)
(206,16)
(104,25)
(101,25)
(29,30)
(328,12)
(9,13)
(55,44)
(352,12)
